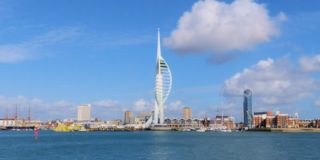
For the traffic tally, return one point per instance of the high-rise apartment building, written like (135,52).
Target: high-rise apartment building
(187,113)
(84,112)
(128,117)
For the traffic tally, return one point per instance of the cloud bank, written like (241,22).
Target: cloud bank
(104,109)
(218,27)
(310,63)
(40,109)
(272,82)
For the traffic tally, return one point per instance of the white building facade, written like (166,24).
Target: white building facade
(84,112)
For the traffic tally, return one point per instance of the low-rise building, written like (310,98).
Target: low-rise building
(282,120)
(6,122)
(293,122)
(268,120)
(263,120)
(142,117)
(114,122)
(220,121)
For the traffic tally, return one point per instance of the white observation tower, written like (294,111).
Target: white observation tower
(162,86)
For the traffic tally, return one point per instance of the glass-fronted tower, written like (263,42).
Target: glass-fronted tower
(247,108)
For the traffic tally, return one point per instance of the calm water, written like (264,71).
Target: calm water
(159,146)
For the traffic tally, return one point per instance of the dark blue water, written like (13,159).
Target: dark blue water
(159,146)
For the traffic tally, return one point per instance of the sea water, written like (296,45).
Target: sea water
(151,145)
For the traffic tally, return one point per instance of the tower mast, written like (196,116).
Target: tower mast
(29,113)
(7,116)
(16,113)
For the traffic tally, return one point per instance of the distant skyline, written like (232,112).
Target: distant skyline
(56,55)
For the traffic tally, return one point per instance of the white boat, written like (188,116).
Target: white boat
(160,127)
(186,130)
(201,130)
(225,130)
(82,129)
(220,129)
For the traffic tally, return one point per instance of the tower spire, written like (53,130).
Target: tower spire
(29,113)
(163,84)
(158,45)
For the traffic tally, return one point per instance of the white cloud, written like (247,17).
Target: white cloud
(220,27)
(29,49)
(61,109)
(106,103)
(143,105)
(175,106)
(173,109)
(310,63)
(61,103)
(272,82)
(14,53)
(40,109)
(196,90)
(281,17)
(227,107)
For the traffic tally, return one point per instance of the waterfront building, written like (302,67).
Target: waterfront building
(128,117)
(143,117)
(84,112)
(263,120)
(293,122)
(187,113)
(206,122)
(18,124)
(305,123)
(316,123)
(268,120)
(247,108)
(6,122)
(138,121)
(282,120)
(182,123)
(239,126)
(115,122)
(259,121)
(221,121)
(162,86)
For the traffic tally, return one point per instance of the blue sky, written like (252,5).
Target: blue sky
(57,55)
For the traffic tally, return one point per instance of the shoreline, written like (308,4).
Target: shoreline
(290,130)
